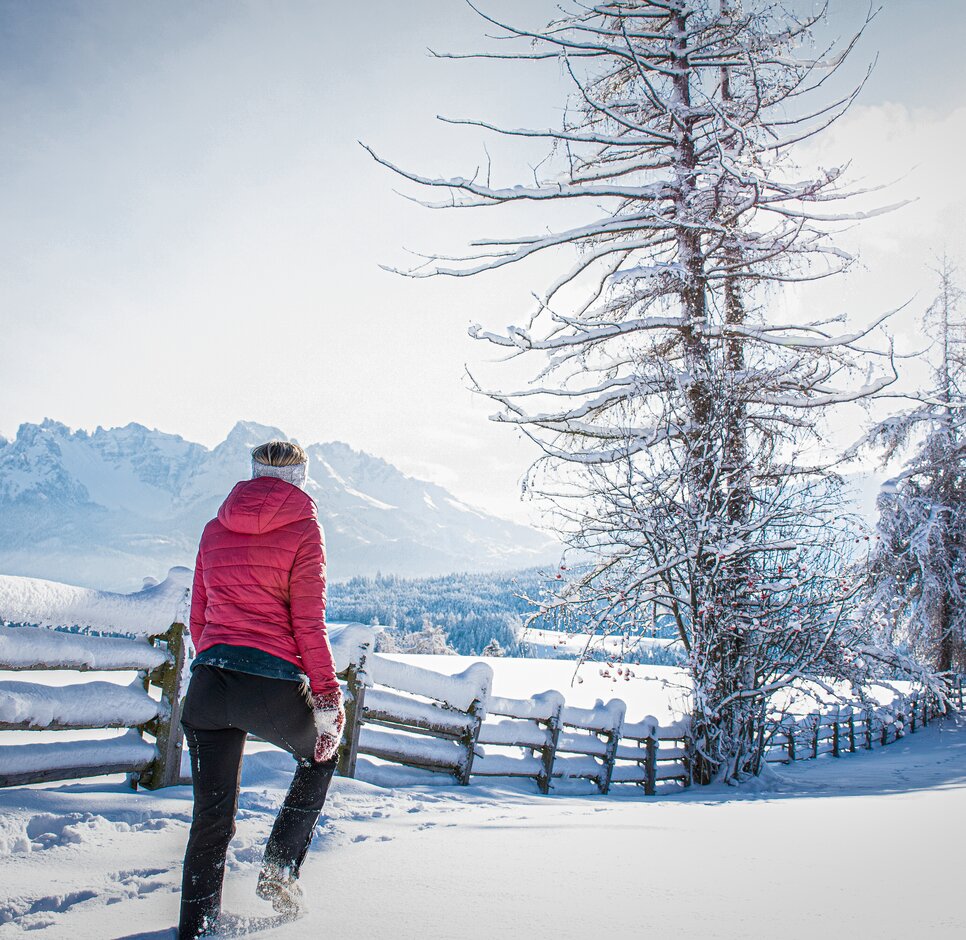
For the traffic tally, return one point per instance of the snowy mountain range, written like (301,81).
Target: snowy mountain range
(108,508)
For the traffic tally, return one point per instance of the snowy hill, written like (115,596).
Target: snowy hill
(109,507)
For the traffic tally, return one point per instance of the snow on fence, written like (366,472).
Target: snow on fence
(396,712)
(152,643)
(405,714)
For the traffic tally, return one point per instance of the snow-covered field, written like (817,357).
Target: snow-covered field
(863,846)
(647,690)
(552,643)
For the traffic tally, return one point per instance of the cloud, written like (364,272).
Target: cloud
(917,155)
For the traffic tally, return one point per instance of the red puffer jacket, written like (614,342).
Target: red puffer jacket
(260,578)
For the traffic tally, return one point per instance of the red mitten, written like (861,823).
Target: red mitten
(329,714)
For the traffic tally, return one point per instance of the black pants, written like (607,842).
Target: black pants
(221,707)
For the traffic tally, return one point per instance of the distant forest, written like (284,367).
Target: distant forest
(472,609)
(457,613)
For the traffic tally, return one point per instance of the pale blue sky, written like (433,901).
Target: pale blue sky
(189,232)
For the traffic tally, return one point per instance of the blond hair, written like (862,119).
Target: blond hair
(279,454)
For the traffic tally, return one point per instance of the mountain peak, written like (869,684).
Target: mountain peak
(48,426)
(251,431)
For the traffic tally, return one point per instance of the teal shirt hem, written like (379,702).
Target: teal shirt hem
(248,659)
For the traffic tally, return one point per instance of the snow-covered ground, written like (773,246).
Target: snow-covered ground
(553,643)
(860,846)
(863,846)
(647,690)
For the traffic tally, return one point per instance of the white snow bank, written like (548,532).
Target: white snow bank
(13,836)
(421,714)
(96,861)
(513,731)
(147,612)
(556,643)
(82,705)
(600,717)
(350,643)
(458,691)
(39,647)
(129,749)
(639,730)
(417,749)
(538,707)
(503,765)
(653,690)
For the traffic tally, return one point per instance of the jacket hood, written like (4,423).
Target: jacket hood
(264,504)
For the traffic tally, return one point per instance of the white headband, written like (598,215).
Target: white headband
(296,473)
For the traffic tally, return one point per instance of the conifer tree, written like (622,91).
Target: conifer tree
(918,569)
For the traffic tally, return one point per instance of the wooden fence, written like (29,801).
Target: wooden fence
(845,730)
(396,712)
(413,716)
(150,752)
(408,715)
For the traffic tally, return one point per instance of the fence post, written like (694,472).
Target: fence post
(355,701)
(478,710)
(913,705)
(650,764)
(687,742)
(610,756)
(816,724)
(790,735)
(166,769)
(549,751)
(851,732)
(835,736)
(868,729)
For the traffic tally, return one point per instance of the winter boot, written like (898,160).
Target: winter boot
(281,888)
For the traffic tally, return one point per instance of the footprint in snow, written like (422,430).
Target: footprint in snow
(23,909)
(138,873)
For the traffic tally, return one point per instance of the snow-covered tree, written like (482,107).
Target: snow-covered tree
(918,568)
(493,648)
(431,639)
(673,408)
(386,642)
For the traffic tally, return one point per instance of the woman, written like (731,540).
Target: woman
(263,665)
